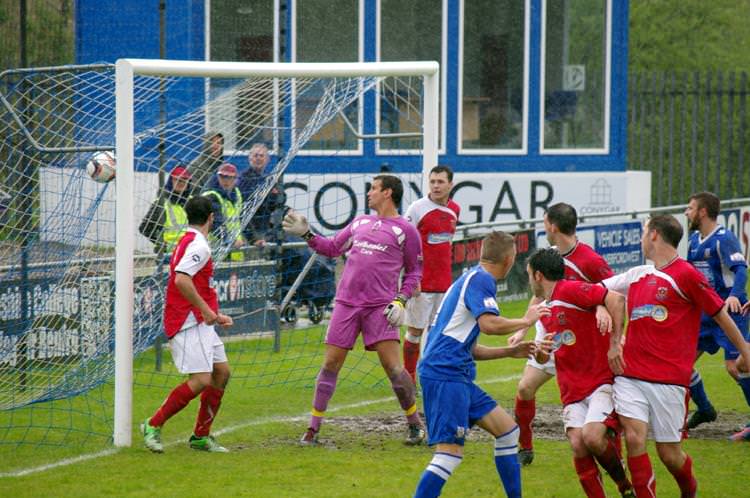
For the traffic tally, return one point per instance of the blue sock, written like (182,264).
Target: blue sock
(744,382)
(698,393)
(506,462)
(436,474)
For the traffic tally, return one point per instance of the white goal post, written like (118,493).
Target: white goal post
(126,71)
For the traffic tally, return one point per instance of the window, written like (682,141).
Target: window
(409,31)
(575,75)
(493,78)
(323,37)
(242,31)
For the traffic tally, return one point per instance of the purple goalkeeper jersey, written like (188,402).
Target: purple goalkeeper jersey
(377,250)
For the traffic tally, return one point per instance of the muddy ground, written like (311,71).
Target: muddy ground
(547,425)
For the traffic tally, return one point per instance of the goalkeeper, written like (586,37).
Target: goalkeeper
(369,298)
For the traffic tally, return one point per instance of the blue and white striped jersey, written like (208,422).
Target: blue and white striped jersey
(455,330)
(717,257)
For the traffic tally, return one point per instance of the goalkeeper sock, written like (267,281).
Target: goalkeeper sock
(411,354)
(698,393)
(210,403)
(506,462)
(324,388)
(744,381)
(524,412)
(436,474)
(589,477)
(405,391)
(176,401)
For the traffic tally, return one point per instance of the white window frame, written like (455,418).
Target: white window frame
(360,104)
(207,86)
(443,83)
(523,150)
(607,89)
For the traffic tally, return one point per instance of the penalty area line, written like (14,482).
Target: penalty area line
(232,428)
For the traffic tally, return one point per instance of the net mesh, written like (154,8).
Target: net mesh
(57,231)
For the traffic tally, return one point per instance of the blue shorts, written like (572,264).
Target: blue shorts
(452,408)
(712,337)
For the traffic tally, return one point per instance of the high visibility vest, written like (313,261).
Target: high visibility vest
(175,224)
(232,212)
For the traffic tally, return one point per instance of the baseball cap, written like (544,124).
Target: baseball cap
(228,169)
(180,172)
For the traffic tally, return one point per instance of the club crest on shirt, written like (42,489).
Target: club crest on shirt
(490,302)
(561,318)
(661,293)
(656,312)
(565,338)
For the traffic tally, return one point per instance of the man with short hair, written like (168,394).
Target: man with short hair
(581,263)
(190,312)
(653,368)
(583,374)
(369,298)
(453,403)
(435,216)
(166,221)
(717,254)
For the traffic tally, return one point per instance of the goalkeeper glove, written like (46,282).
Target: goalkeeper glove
(296,224)
(394,312)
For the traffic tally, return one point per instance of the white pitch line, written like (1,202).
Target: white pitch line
(226,430)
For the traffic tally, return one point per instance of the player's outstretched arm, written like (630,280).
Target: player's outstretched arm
(520,334)
(185,285)
(296,224)
(520,350)
(614,305)
(499,325)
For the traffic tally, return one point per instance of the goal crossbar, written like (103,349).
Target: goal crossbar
(125,72)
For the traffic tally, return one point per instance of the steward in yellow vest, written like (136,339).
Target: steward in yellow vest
(166,220)
(227,201)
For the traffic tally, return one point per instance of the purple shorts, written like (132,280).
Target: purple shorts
(347,322)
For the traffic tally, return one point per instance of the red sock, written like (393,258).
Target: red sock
(610,462)
(644,481)
(525,411)
(176,401)
(685,479)
(588,475)
(210,402)
(411,357)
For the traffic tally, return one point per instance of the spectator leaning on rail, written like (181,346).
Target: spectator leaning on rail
(211,157)
(166,220)
(227,204)
(260,228)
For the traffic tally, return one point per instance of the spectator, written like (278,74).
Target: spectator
(227,205)
(166,220)
(209,160)
(260,229)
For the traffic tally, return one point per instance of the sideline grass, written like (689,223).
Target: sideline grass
(266,461)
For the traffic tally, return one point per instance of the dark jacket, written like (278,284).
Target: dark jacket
(205,165)
(262,224)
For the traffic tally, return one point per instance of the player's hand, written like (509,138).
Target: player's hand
(260,243)
(523,349)
(546,345)
(224,320)
(734,305)
(516,337)
(616,360)
(745,308)
(295,224)
(603,320)
(535,312)
(395,312)
(209,317)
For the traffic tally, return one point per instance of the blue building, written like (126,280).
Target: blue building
(527,86)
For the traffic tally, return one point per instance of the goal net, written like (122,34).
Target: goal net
(84,262)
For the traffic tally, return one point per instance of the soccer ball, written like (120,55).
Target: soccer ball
(101,167)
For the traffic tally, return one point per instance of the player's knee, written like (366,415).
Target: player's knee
(526,390)
(671,456)
(594,439)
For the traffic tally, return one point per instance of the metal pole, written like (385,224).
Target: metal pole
(162,120)
(25,219)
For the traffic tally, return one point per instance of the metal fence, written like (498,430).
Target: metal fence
(690,130)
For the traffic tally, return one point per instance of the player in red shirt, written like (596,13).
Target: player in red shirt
(190,312)
(583,374)
(581,263)
(654,366)
(435,217)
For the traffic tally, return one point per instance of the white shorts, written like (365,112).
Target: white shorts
(196,349)
(595,408)
(547,367)
(421,310)
(662,406)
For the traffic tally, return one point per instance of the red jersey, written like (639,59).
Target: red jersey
(192,256)
(583,263)
(436,225)
(664,313)
(580,349)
